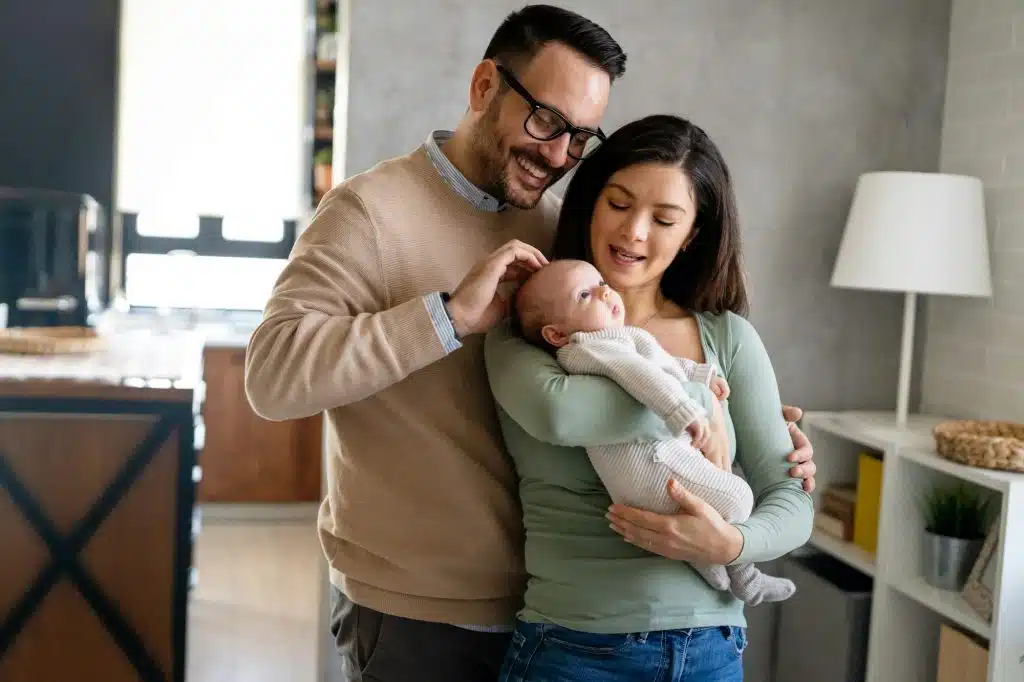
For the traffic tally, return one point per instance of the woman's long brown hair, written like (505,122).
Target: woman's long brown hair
(707,276)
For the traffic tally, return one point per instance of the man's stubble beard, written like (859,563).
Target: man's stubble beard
(490,148)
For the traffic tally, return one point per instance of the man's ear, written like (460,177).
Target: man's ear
(483,85)
(554,336)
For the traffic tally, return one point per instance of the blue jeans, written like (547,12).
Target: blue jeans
(549,653)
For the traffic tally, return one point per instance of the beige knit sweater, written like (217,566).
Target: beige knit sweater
(421,517)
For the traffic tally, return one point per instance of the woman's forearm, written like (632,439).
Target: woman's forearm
(783,513)
(556,407)
(781,522)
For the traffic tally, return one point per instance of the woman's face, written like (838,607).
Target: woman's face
(644,216)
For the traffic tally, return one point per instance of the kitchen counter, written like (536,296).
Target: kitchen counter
(97,461)
(216,331)
(131,365)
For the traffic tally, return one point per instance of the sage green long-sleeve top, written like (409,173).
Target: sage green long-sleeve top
(583,575)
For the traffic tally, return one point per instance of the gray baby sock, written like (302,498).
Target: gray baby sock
(716,576)
(748,583)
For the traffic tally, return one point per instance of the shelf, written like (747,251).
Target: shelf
(945,603)
(847,552)
(1000,481)
(325,65)
(877,430)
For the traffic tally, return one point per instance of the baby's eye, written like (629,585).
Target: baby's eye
(584,295)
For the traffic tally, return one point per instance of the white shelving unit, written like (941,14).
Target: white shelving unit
(905,610)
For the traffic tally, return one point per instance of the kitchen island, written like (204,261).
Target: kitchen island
(97,480)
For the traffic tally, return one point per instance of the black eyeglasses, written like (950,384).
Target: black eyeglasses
(545,124)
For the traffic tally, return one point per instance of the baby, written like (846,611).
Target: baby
(568,309)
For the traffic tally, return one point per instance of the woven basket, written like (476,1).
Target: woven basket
(987,444)
(49,340)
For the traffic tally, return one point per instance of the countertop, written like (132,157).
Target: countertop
(128,365)
(218,332)
(144,355)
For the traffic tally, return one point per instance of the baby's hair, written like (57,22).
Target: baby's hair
(527,316)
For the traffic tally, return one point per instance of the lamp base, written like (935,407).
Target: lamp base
(906,358)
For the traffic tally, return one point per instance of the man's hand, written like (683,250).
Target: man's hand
(803,453)
(476,305)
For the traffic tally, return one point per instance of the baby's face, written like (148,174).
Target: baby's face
(578,300)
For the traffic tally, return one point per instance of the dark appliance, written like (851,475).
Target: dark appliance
(53,263)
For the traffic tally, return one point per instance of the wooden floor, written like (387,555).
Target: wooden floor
(253,616)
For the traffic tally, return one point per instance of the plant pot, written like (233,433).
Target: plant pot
(948,560)
(322,177)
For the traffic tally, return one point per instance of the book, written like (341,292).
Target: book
(840,501)
(837,528)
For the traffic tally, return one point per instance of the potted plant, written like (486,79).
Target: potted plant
(324,106)
(956,523)
(322,170)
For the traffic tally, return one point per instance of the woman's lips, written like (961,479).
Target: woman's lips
(622,257)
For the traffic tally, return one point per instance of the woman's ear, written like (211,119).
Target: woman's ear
(483,85)
(554,336)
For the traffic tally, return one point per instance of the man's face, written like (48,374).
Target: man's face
(516,167)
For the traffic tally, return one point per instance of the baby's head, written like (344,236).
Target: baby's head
(564,297)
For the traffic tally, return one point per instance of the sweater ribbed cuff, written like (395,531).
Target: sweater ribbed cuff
(703,373)
(682,416)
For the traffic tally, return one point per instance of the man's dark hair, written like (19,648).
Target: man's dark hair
(523,33)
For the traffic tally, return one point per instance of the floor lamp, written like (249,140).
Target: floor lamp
(915,233)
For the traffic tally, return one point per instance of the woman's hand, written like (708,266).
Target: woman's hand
(716,447)
(696,533)
(803,452)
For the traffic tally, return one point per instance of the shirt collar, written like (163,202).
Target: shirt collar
(454,177)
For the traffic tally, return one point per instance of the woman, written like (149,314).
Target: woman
(611,594)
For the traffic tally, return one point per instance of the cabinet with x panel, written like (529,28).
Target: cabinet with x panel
(97,491)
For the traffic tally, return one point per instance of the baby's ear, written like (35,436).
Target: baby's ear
(554,336)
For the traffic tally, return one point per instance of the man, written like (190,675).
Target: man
(421,523)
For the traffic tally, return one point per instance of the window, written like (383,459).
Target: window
(212,147)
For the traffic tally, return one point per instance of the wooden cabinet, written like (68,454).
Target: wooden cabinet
(246,458)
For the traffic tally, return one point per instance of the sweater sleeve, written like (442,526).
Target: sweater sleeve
(555,407)
(783,513)
(614,354)
(330,335)
(686,371)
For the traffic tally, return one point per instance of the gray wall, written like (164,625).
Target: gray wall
(974,360)
(801,96)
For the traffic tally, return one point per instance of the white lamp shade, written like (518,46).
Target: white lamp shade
(916,232)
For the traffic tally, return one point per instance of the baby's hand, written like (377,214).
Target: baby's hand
(699,430)
(719,387)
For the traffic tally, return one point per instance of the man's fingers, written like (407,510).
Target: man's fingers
(516,272)
(801,445)
(521,246)
(501,262)
(791,413)
(804,470)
